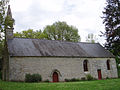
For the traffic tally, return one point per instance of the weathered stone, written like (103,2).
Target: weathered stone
(68,67)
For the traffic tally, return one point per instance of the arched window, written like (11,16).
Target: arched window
(108,64)
(85,65)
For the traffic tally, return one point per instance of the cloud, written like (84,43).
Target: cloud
(49,5)
(20,5)
(36,14)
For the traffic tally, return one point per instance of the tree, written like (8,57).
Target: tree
(3,22)
(111,19)
(3,19)
(57,31)
(3,25)
(91,38)
(30,33)
(61,31)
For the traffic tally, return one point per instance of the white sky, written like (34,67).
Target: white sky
(36,14)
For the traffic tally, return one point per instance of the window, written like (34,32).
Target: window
(85,65)
(108,64)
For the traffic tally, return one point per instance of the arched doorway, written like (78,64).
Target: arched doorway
(55,77)
(99,74)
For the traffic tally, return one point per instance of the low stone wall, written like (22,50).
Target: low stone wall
(67,68)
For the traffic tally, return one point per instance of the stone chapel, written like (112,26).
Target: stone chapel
(55,60)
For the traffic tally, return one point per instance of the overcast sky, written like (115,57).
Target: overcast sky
(36,14)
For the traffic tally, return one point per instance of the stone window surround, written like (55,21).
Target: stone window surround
(85,65)
(108,64)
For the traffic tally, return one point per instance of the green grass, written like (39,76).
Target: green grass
(109,84)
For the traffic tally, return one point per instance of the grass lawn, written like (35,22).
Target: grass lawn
(109,84)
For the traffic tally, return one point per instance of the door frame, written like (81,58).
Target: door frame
(55,77)
(99,74)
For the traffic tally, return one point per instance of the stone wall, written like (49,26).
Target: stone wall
(67,68)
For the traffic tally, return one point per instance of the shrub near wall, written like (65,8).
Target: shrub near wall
(0,68)
(33,78)
(72,80)
(0,75)
(89,77)
(118,71)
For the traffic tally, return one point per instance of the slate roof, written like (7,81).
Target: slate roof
(38,47)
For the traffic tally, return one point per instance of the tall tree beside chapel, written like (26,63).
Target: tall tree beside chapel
(61,31)
(111,19)
(4,22)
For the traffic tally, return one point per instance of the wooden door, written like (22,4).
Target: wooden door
(55,77)
(99,74)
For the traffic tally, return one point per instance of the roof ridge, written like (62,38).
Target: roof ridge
(56,40)
(88,43)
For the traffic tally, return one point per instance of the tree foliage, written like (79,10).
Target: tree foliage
(3,7)
(3,24)
(61,31)
(57,31)
(91,38)
(111,19)
(30,33)
(9,22)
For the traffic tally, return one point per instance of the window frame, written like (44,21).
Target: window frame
(108,64)
(85,65)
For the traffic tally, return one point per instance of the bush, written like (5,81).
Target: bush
(83,79)
(89,77)
(33,78)
(107,78)
(28,78)
(0,64)
(0,75)
(47,80)
(72,80)
(67,80)
(118,68)
(118,65)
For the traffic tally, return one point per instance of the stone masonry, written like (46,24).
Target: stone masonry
(68,68)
